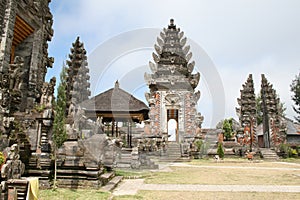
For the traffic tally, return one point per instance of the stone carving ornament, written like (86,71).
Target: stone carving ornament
(16,73)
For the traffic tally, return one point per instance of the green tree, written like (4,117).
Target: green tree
(59,128)
(295,88)
(220,151)
(227,128)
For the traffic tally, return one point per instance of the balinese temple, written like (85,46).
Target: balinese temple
(172,84)
(115,106)
(275,129)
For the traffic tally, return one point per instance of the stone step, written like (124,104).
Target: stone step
(106,177)
(124,165)
(269,154)
(153,166)
(173,153)
(112,184)
(78,183)
(179,159)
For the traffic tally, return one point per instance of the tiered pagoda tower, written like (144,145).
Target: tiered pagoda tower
(172,85)
(247,111)
(274,127)
(77,75)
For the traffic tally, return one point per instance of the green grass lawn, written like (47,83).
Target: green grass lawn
(70,194)
(199,175)
(216,176)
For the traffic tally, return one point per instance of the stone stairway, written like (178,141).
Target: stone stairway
(125,159)
(147,163)
(19,188)
(211,139)
(112,184)
(268,154)
(173,153)
(40,166)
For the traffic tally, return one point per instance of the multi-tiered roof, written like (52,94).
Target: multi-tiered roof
(172,68)
(274,123)
(77,74)
(247,110)
(247,101)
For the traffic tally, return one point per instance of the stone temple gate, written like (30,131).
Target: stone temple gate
(172,86)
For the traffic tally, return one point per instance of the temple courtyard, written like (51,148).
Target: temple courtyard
(230,178)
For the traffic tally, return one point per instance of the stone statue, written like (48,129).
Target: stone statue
(16,73)
(72,109)
(44,93)
(48,92)
(47,99)
(100,123)
(5,91)
(13,168)
(51,92)
(79,118)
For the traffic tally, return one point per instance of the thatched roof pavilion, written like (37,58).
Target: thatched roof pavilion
(116,104)
(113,106)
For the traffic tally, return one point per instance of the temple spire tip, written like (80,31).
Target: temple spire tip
(171,21)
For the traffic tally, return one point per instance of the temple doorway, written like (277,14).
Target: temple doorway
(172,130)
(172,125)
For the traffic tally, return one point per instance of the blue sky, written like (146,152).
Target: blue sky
(231,38)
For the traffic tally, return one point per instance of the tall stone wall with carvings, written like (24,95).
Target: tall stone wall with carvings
(26,27)
(26,109)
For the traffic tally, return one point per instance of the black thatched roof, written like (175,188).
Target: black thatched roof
(114,100)
(291,128)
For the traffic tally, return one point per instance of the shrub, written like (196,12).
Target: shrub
(284,148)
(198,144)
(293,152)
(2,158)
(220,151)
(298,149)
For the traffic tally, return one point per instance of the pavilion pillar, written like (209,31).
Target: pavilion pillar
(128,130)
(112,127)
(130,134)
(117,133)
